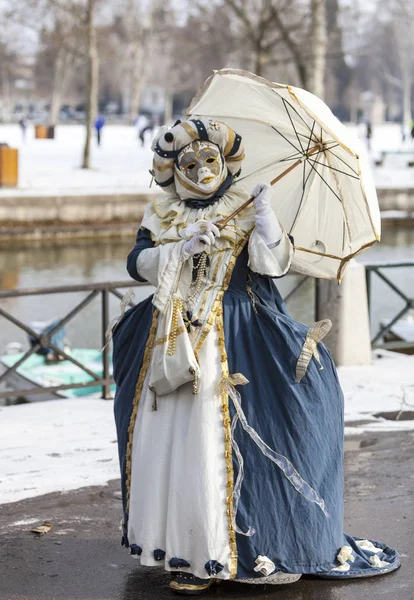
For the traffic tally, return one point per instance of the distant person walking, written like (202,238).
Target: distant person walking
(403,133)
(23,127)
(369,135)
(99,124)
(144,124)
(412,131)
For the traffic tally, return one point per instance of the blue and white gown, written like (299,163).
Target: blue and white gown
(245,479)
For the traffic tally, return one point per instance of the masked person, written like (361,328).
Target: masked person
(229,413)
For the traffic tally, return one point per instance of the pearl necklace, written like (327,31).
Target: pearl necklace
(197,285)
(184,306)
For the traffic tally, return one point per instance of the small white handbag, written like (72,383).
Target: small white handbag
(173,361)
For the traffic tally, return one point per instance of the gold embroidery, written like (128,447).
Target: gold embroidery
(230,141)
(166,338)
(315,334)
(217,302)
(138,391)
(165,167)
(239,158)
(177,308)
(190,131)
(227,445)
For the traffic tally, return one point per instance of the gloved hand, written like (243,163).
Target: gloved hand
(267,225)
(200,242)
(203,226)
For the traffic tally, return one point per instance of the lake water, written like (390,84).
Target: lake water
(78,262)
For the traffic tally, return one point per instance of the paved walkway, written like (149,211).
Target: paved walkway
(81,559)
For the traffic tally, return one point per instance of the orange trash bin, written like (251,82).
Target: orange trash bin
(9,166)
(40,132)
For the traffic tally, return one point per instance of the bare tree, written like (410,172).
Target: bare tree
(93,73)
(135,28)
(318,40)
(56,60)
(402,15)
(267,27)
(77,18)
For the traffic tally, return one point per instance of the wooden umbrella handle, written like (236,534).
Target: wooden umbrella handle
(223,223)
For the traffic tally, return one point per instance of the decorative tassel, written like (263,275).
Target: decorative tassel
(196,380)
(154,402)
(315,334)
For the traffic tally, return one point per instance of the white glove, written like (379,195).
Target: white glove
(267,225)
(203,226)
(200,242)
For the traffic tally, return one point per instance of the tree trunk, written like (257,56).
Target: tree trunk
(92,88)
(168,107)
(407,93)
(258,60)
(137,86)
(139,75)
(318,43)
(328,293)
(5,91)
(57,89)
(353,100)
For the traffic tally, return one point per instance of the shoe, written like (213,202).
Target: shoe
(187,584)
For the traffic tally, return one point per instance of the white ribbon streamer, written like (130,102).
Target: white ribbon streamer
(126,299)
(227,385)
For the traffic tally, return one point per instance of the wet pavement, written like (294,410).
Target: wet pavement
(81,557)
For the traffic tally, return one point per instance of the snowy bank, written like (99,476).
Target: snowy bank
(386,386)
(56,446)
(68,444)
(121,165)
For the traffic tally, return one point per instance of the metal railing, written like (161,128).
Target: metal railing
(378,270)
(43,340)
(106,289)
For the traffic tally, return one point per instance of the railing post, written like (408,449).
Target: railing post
(106,388)
(368,274)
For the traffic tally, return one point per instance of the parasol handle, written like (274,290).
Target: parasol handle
(224,222)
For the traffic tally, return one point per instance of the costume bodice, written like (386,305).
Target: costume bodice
(244,281)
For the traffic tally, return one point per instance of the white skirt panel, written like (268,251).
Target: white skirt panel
(178,473)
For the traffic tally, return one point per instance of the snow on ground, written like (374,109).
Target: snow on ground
(120,165)
(56,446)
(67,444)
(386,386)
(50,167)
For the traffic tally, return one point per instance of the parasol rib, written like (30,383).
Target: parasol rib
(296,111)
(317,148)
(287,139)
(311,134)
(328,166)
(305,181)
(325,182)
(293,125)
(342,160)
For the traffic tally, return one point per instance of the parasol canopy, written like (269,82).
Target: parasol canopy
(324,193)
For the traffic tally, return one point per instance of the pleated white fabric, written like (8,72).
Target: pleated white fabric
(178,482)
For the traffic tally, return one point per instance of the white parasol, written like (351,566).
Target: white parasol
(324,195)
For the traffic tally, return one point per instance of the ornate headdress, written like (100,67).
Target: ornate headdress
(200,157)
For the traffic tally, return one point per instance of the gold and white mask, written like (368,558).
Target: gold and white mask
(199,170)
